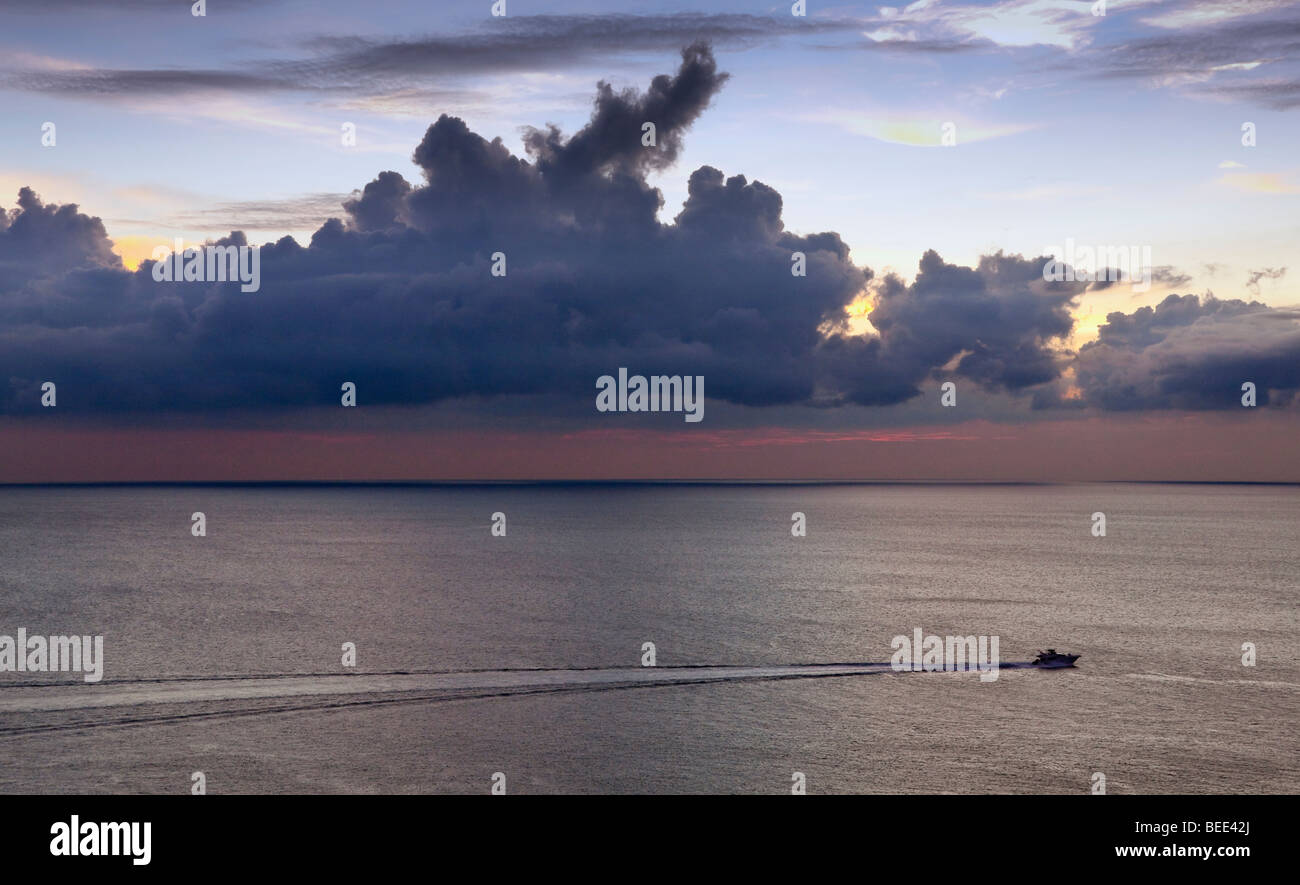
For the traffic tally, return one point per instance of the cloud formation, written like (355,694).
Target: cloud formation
(1267,273)
(1188,353)
(1233,52)
(36,238)
(398,294)
(355,66)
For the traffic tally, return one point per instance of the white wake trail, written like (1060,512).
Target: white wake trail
(33,699)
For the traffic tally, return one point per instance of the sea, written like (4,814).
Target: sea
(652,638)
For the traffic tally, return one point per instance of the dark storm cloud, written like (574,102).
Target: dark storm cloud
(994,323)
(36,239)
(398,295)
(1189,353)
(671,103)
(379,203)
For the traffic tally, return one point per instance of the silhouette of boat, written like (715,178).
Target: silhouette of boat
(1051,660)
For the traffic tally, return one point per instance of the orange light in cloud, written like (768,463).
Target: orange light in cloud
(135,249)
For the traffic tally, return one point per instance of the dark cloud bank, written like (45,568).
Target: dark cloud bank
(399,297)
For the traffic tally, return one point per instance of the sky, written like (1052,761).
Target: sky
(928,160)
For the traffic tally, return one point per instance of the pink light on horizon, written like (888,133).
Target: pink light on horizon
(1166,447)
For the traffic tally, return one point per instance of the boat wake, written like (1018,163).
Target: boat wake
(34,708)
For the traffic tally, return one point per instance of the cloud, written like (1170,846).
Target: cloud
(1009,23)
(98,82)
(397,294)
(1195,13)
(1268,273)
(46,7)
(1279,95)
(901,44)
(913,129)
(671,104)
(37,240)
(1169,276)
(1196,50)
(1247,55)
(1187,353)
(1259,182)
(999,323)
(353,67)
(294,213)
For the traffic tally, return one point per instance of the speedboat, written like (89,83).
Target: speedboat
(1051,660)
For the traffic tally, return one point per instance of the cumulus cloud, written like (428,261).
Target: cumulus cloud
(1187,353)
(397,296)
(1000,321)
(36,239)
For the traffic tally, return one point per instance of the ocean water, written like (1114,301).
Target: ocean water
(522,654)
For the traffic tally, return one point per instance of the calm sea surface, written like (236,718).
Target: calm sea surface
(521,654)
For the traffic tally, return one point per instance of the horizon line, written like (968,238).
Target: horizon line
(465,483)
